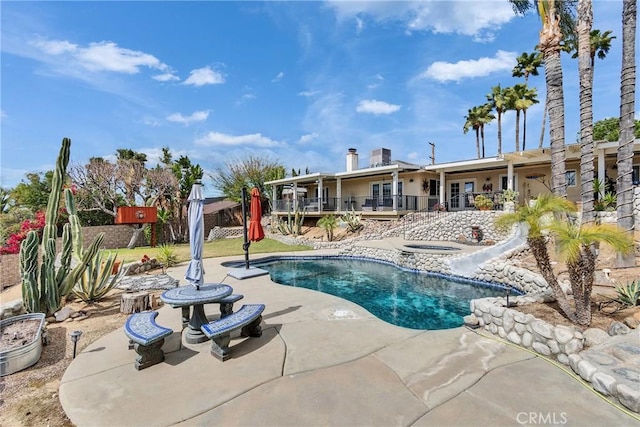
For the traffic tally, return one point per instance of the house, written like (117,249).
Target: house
(221,212)
(389,189)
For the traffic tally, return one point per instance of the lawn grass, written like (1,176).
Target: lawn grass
(215,248)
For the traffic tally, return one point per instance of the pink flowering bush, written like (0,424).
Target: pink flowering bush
(12,245)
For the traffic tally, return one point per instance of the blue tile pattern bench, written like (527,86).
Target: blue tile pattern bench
(147,338)
(226,308)
(248,318)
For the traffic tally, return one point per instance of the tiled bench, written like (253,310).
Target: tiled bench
(248,318)
(226,308)
(146,338)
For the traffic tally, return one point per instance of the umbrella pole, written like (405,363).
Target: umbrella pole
(246,243)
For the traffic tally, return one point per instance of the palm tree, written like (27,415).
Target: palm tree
(499,100)
(557,23)
(600,45)
(522,97)
(585,70)
(485,116)
(528,64)
(627,108)
(471,122)
(328,223)
(574,244)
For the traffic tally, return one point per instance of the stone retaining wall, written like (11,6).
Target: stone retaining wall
(457,226)
(438,263)
(558,342)
(224,232)
(504,272)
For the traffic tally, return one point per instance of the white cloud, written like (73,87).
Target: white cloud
(204,76)
(446,71)
(413,155)
(244,98)
(101,56)
(196,116)
(254,139)
(376,107)
(278,77)
(378,81)
(165,77)
(3,115)
(472,18)
(359,25)
(304,139)
(308,93)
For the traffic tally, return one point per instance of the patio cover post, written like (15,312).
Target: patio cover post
(509,175)
(442,187)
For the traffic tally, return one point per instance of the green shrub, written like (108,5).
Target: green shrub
(166,255)
(328,223)
(483,202)
(629,294)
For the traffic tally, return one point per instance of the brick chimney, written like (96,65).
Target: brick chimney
(352,160)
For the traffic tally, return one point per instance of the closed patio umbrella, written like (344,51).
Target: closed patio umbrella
(195,270)
(256,233)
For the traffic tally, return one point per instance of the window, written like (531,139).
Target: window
(571,178)
(504,179)
(434,187)
(636,175)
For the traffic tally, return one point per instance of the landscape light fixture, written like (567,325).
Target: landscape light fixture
(75,336)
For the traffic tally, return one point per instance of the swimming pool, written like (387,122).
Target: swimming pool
(401,297)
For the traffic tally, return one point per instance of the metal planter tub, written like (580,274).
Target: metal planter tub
(21,357)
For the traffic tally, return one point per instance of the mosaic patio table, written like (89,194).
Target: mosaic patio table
(187,296)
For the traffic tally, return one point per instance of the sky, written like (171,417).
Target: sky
(295,82)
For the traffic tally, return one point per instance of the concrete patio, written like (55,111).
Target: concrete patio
(323,360)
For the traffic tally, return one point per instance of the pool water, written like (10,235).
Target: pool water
(400,297)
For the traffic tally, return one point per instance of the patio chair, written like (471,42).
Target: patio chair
(471,201)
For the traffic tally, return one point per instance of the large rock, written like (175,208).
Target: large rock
(595,336)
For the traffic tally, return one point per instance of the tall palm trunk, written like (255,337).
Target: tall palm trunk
(553,73)
(517,130)
(478,141)
(544,122)
(585,70)
(499,132)
(482,137)
(524,129)
(627,107)
(551,45)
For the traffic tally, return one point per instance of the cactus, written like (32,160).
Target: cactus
(43,288)
(293,225)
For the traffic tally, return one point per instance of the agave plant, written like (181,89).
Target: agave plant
(629,294)
(98,278)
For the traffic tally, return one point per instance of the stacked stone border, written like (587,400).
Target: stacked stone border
(558,342)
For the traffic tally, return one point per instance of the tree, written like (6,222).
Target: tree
(574,243)
(328,223)
(609,129)
(521,97)
(476,119)
(627,110)
(528,64)
(34,192)
(557,24)
(499,100)
(104,186)
(250,171)
(585,71)
(471,122)
(600,44)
